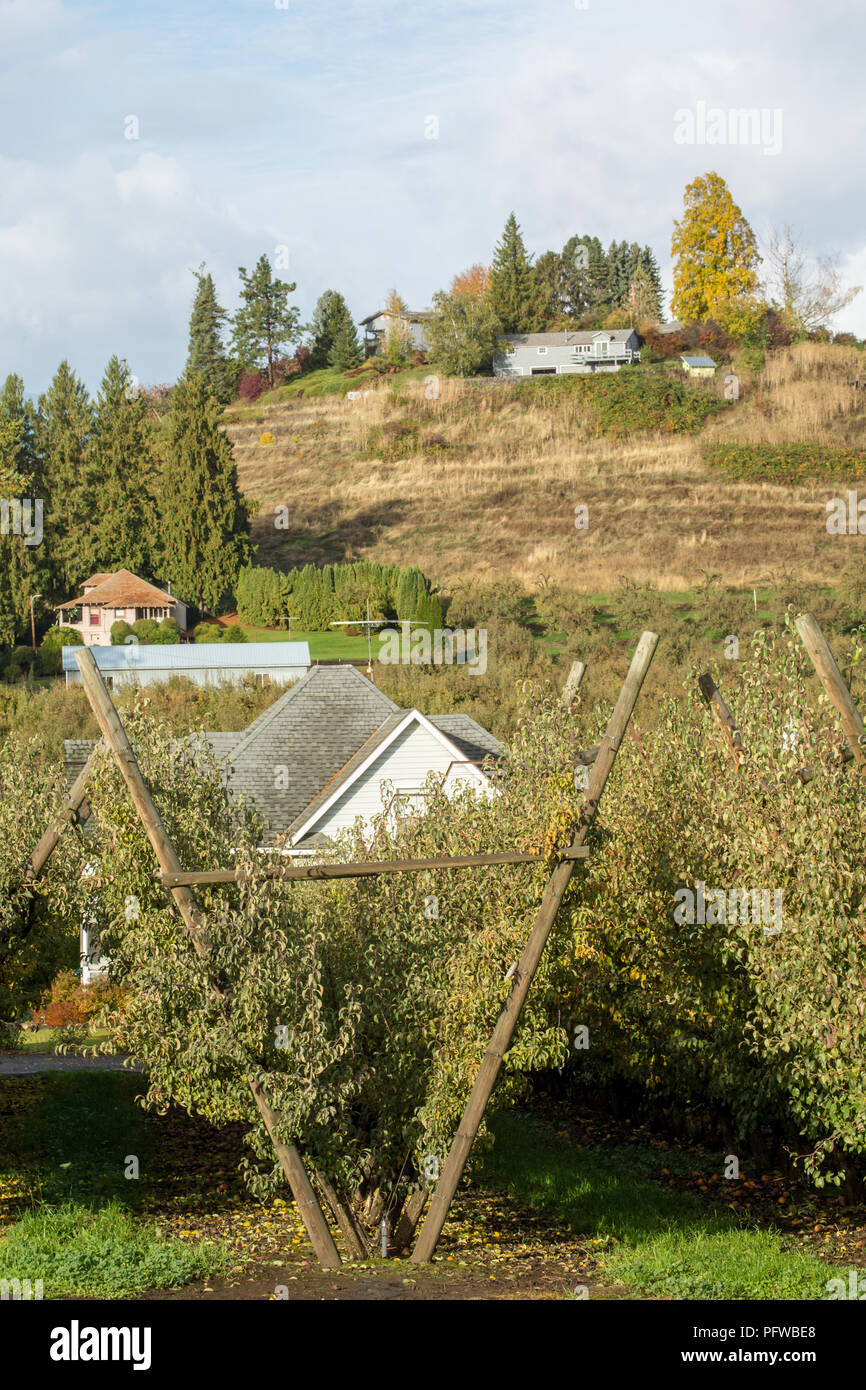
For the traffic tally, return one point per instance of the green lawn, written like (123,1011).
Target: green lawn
(47,1039)
(324,646)
(79,1227)
(651,1238)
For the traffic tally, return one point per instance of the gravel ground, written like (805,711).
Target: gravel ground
(30,1063)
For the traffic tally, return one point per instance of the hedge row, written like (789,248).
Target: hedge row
(629,401)
(317,597)
(786,463)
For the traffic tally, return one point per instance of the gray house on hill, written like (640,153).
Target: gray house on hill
(554,354)
(376,327)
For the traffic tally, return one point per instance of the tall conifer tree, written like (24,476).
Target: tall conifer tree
(512,291)
(121,467)
(64,425)
(207,355)
(204,526)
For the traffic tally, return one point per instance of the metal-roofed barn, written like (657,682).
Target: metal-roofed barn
(204,663)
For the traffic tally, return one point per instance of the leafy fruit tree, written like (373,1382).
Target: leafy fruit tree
(512,292)
(462,333)
(204,522)
(207,355)
(716,256)
(265,321)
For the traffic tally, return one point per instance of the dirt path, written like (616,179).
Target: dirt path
(31,1063)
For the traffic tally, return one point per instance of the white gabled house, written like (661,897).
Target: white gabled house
(557,354)
(334,751)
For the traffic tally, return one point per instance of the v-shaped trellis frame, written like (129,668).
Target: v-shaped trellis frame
(816,644)
(179,884)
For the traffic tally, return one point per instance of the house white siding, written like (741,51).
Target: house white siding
(405,765)
(566,353)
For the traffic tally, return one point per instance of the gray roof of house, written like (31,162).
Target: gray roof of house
(614,335)
(469,738)
(311,732)
(319,732)
(697,361)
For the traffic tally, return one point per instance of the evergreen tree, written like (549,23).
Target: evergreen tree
(587,275)
(207,355)
(23,562)
(120,465)
(512,291)
(345,350)
(64,424)
(204,522)
(332,320)
(265,321)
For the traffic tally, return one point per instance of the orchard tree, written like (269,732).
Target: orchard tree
(716,257)
(207,354)
(265,321)
(204,523)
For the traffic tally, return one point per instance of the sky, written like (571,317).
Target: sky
(371,144)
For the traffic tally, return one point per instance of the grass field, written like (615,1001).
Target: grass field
(560,1201)
(496,496)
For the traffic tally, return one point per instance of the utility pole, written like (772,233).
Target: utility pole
(369,623)
(33,598)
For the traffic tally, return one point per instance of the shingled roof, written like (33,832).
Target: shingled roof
(320,732)
(121,590)
(312,731)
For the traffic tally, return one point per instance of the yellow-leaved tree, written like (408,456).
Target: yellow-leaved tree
(716,258)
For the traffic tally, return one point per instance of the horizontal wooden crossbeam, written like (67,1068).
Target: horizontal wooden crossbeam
(368,868)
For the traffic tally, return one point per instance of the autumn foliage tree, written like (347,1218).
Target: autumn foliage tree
(715,257)
(474,281)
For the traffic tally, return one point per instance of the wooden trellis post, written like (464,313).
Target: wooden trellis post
(476,1105)
(75,808)
(831,678)
(572,685)
(723,718)
(195,923)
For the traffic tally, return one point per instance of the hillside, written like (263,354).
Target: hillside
(484,480)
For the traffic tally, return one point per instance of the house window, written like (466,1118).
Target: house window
(544,371)
(263,678)
(94,617)
(602,349)
(542,351)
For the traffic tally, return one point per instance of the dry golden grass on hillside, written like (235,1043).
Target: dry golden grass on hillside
(500,498)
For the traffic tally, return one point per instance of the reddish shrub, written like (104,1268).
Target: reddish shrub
(67,1001)
(251,386)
